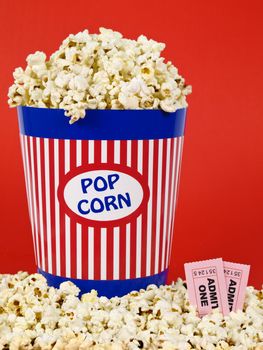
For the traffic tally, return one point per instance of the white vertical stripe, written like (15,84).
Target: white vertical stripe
(67,219)
(128,226)
(159,203)
(57,217)
(25,171)
(138,245)
(140,155)
(149,214)
(34,197)
(117,153)
(139,219)
(116,230)
(91,229)
(178,164)
(91,253)
(104,151)
(128,152)
(78,153)
(91,151)
(128,247)
(67,156)
(79,251)
(41,224)
(116,252)
(30,195)
(171,200)
(167,178)
(67,241)
(47,185)
(103,250)
(78,226)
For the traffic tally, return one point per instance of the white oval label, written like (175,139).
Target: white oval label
(103,195)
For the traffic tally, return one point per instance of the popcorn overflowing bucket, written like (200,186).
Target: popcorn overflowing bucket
(102,195)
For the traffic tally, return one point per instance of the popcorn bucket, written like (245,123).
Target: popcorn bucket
(102,195)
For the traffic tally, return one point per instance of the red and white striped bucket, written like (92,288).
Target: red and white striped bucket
(102,202)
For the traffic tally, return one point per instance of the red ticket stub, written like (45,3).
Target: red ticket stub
(206,286)
(236,276)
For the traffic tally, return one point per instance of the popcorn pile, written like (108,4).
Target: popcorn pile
(35,316)
(100,71)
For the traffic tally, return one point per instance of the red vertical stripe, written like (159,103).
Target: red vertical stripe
(84,228)
(162,201)
(37,200)
(110,234)
(52,204)
(62,216)
(41,215)
(97,234)
(122,251)
(43,185)
(123,150)
(145,167)
(73,230)
(134,162)
(154,202)
(169,203)
(84,152)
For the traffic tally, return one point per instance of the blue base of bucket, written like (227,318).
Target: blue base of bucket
(108,288)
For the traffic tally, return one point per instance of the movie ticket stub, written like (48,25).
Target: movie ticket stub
(236,276)
(207,286)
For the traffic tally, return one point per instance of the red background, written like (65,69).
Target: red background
(217,46)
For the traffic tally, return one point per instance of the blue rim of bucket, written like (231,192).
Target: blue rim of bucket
(108,288)
(102,124)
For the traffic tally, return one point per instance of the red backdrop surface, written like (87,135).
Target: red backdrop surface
(217,46)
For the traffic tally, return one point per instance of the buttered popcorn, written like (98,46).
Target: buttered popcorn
(35,316)
(100,71)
